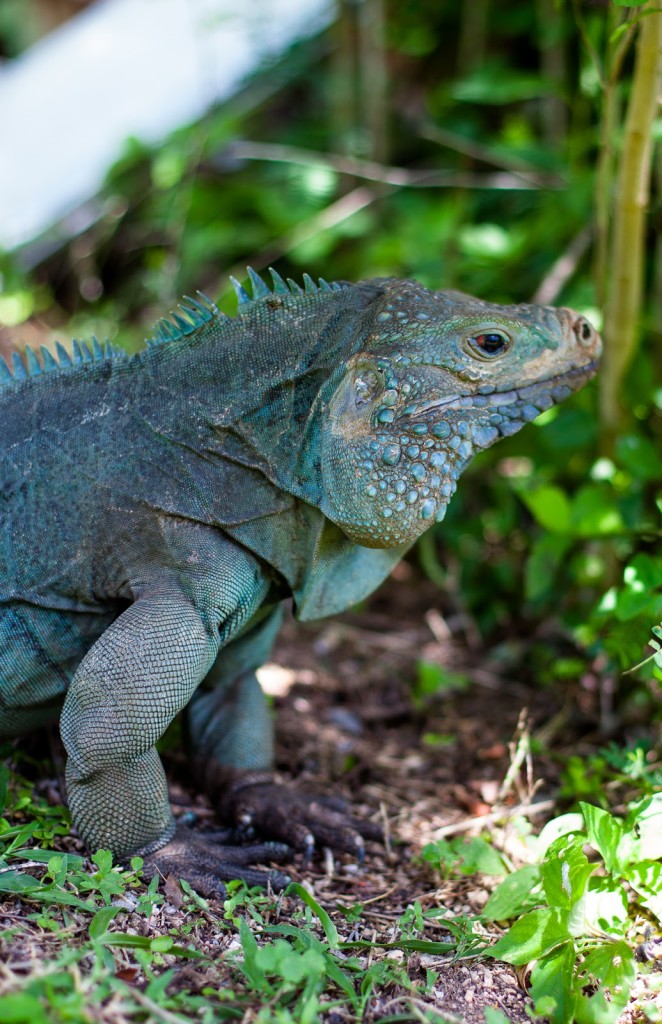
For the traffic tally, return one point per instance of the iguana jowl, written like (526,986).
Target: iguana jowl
(156,509)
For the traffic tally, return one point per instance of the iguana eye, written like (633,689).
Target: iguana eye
(489,344)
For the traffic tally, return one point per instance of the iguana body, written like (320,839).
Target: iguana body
(155,510)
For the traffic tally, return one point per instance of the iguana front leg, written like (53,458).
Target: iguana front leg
(231,747)
(127,689)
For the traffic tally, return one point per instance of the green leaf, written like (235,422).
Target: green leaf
(547,554)
(70,860)
(645,817)
(532,936)
(612,969)
(494,1016)
(17,881)
(101,920)
(604,833)
(103,860)
(121,941)
(250,967)
(549,506)
(562,825)
(551,979)
(565,871)
(327,924)
(480,856)
(21,1008)
(593,512)
(602,908)
(645,877)
(514,894)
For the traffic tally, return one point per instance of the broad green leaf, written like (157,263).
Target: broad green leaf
(69,860)
(602,908)
(101,920)
(565,871)
(22,1008)
(563,825)
(513,895)
(17,881)
(532,936)
(103,860)
(646,817)
(551,979)
(593,512)
(494,1016)
(480,856)
(645,877)
(604,832)
(547,554)
(549,506)
(611,968)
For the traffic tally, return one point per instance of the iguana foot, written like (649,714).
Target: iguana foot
(206,865)
(301,820)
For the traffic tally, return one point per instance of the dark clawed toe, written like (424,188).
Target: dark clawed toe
(198,859)
(303,821)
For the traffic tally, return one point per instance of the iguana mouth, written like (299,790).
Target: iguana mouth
(547,392)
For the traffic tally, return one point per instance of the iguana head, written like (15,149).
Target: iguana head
(440,376)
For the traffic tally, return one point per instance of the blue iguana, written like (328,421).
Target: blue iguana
(155,510)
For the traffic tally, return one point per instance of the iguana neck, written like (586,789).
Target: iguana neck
(274,358)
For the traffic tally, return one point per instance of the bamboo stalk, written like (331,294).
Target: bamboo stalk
(633,189)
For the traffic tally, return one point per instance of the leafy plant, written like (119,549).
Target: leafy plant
(580,916)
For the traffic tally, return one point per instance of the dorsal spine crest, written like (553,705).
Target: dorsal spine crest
(193,314)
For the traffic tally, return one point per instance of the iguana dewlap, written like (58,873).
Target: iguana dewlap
(156,509)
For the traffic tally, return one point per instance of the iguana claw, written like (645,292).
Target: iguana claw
(301,820)
(206,865)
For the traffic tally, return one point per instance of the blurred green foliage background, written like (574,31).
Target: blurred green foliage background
(459,144)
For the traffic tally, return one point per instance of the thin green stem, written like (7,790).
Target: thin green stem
(627,251)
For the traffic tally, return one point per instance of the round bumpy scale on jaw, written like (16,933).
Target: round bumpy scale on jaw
(412,497)
(484,435)
(441,429)
(391,454)
(386,416)
(428,509)
(389,398)
(418,472)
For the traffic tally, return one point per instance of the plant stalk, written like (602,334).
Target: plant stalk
(633,188)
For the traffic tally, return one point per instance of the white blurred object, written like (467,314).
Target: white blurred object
(124,68)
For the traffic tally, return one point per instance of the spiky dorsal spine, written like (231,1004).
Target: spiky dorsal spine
(31,366)
(193,314)
(280,287)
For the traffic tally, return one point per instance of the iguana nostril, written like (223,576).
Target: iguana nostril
(584,332)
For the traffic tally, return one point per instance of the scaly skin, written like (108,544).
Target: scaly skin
(155,510)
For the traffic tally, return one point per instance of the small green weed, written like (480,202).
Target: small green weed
(453,858)
(580,916)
